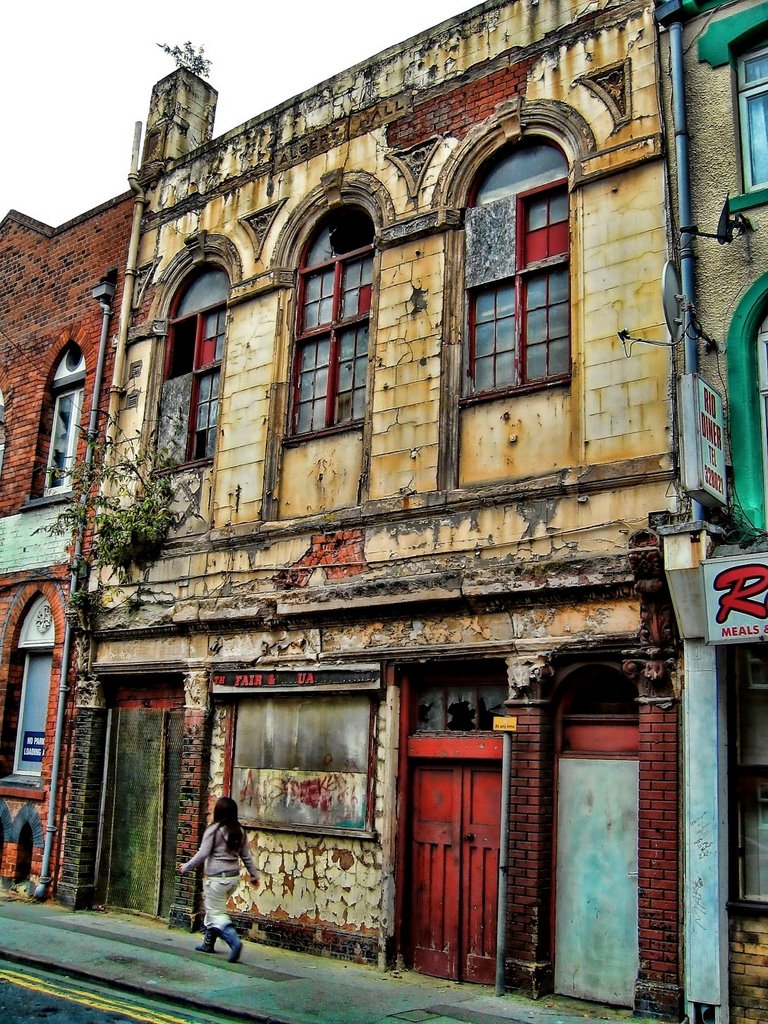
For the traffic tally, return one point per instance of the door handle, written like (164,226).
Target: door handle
(469,837)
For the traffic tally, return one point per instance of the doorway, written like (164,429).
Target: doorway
(453,796)
(137,857)
(596,892)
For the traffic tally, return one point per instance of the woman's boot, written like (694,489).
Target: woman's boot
(235,945)
(209,940)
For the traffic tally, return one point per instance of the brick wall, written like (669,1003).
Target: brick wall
(528,952)
(195,757)
(46,278)
(749,969)
(657,991)
(455,111)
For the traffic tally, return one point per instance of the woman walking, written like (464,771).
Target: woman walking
(222,848)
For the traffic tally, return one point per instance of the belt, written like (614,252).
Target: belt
(224,874)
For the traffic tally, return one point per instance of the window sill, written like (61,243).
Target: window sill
(183,467)
(46,500)
(310,830)
(514,392)
(748,200)
(749,908)
(21,787)
(344,428)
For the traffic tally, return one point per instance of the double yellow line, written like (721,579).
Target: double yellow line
(90,999)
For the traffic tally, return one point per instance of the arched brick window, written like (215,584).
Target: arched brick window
(67,396)
(26,706)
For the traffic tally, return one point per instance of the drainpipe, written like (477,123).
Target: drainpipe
(128,286)
(705,840)
(104,292)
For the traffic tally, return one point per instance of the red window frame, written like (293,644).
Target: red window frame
(543,256)
(337,346)
(207,352)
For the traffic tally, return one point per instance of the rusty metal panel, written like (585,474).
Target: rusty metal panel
(596,909)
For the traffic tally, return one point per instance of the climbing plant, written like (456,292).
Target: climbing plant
(121,509)
(187,56)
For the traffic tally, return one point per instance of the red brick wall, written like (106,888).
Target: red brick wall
(455,111)
(46,279)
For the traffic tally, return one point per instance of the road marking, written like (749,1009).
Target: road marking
(90,999)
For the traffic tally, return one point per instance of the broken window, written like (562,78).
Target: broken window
(330,366)
(304,762)
(68,382)
(459,707)
(189,412)
(517,249)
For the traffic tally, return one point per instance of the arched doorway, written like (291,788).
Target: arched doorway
(596,892)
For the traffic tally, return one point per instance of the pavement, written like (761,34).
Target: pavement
(272,986)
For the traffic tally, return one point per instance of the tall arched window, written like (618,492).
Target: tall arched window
(517,272)
(68,382)
(190,403)
(36,647)
(331,354)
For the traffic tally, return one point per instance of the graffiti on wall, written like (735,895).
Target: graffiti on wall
(329,799)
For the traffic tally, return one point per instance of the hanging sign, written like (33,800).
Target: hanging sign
(736,598)
(702,441)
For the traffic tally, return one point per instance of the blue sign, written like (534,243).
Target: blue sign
(32,748)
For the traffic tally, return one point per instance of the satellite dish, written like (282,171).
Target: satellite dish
(672,300)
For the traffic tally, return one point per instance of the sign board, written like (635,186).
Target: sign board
(736,598)
(504,723)
(32,746)
(282,679)
(702,441)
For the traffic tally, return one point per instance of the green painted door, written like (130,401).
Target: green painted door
(140,810)
(596,949)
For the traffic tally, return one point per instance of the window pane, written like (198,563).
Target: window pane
(484,340)
(66,420)
(209,289)
(505,370)
(756,68)
(558,207)
(485,307)
(538,210)
(536,292)
(754,805)
(484,378)
(559,356)
(757,116)
(558,286)
(303,763)
(523,168)
(535,362)
(34,711)
(505,300)
(536,327)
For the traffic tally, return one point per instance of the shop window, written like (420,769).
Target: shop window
(189,412)
(67,394)
(26,710)
(752,772)
(517,273)
(304,763)
(330,366)
(752,71)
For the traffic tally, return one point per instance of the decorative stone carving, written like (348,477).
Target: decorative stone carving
(196,690)
(331,185)
(528,676)
(412,163)
(508,114)
(651,666)
(260,222)
(613,85)
(89,692)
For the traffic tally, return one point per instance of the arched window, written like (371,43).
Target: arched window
(330,365)
(36,648)
(190,403)
(68,382)
(517,274)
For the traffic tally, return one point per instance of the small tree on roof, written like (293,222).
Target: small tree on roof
(188,57)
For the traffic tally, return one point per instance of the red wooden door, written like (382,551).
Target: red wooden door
(454,870)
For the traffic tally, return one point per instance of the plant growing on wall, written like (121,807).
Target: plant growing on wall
(121,505)
(187,56)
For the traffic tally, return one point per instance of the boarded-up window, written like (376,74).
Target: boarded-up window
(303,761)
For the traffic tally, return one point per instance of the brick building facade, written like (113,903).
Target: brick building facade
(374,335)
(50,332)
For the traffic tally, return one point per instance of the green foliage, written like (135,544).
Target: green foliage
(188,57)
(122,505)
